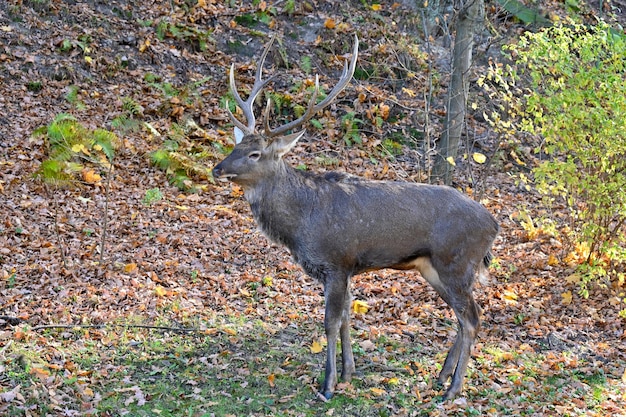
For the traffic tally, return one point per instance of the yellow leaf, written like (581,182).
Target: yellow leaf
(230,331)
(97,147)
(509,297)
(451,161)
(360,307)
(329,23)
(88,60)
(408,92)
(201,3)
(79,147)
(479,157)
(271,378)
(144,45)
(129,268)
(566,298)
(377,391)
(393,381)
(267,281)
(376,7)
(316,347)
(553,260)
(160,291)
(182,207)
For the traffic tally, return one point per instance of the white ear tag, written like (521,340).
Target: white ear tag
(238,135)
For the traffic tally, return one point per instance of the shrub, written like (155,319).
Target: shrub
(568,86)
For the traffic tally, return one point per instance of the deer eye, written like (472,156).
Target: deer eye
(255,155)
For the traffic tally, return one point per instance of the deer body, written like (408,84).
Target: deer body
(337,225)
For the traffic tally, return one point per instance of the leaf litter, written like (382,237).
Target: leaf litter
(192,268)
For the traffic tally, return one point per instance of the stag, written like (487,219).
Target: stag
(337,225)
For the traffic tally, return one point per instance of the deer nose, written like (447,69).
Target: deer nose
(217,171)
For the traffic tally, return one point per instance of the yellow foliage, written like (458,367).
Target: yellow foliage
(316,347)
(360,307)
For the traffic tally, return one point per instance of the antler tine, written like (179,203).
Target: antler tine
(257,87)
(312,108)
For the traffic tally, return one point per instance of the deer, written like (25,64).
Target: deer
(336,225)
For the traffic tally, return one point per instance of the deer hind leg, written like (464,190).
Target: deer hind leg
(468,314)
(336,323)
(457,293)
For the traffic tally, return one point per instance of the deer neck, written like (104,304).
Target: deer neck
(277,203)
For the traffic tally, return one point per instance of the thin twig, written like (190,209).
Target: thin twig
(13,321)
(126,326)
(5,347)
(105,221)
(56,224)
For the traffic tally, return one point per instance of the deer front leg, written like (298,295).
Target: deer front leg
(347,359)
(336,296)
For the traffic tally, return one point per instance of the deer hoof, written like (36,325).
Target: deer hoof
(449,394)
(327,395)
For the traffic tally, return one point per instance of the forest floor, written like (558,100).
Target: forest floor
(187,309)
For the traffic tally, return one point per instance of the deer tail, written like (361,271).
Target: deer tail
(483,269)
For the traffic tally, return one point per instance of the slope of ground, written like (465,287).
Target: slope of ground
(195,261)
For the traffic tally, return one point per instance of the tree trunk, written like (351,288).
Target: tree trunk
(470,18)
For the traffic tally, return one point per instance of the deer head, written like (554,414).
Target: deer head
(257,155)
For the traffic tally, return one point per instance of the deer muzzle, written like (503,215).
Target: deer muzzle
(221,175)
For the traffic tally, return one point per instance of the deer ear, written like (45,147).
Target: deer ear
(238,135)
(283,144)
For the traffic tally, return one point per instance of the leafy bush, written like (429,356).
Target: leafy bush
(574,97)
(75,153)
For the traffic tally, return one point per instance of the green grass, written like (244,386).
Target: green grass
(239,367)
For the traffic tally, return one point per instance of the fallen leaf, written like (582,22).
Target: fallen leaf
(509,297)
(573,279)
(393,381)
(553,260)
(90,176)
(367,345)
(360,307)
(479,157)
(566,298)
(409,92)
(40,373)
(271,378)
(316,347)
(160,291)
(329,23)
(230,331)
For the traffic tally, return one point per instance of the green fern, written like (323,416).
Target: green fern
(72,147)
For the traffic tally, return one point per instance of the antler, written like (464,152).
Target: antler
(259,84)
(246,106)
(312,108)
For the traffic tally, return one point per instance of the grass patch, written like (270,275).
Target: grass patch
(252,368)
